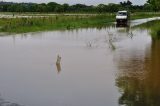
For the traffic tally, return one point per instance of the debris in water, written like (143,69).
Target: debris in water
(58,64)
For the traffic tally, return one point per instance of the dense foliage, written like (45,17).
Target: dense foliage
(66,8)
(155,4)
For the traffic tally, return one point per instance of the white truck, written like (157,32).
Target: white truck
(122,17)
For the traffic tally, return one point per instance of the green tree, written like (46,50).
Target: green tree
(113,7)
(155,4)
(126,4)
(65,7)
(101,8)
(32,8)
(147,7)
(51,6)
(42,7)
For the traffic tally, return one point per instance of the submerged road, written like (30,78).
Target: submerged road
(98,67)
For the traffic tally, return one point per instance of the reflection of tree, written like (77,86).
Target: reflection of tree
(139,78)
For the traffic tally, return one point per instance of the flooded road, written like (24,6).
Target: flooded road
(85,67)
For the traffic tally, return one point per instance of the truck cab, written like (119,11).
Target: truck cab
(122,17)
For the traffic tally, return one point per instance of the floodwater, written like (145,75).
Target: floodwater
(85,67)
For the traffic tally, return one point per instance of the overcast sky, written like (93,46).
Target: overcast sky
(87,2)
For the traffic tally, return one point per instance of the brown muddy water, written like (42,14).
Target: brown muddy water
(85,67)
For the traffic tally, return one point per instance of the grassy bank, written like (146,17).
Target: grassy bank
(141,15)
(154,27)
(22,25)
(61,22)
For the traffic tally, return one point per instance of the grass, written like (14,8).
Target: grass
(155,30)
(61,22)
(154,27)
(141,15)
(22,25)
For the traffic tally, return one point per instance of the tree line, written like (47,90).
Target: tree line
(151,5)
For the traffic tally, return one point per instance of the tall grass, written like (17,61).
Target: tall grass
(61,22)
(154,27)
(155,30)
(21,25)
(140,15)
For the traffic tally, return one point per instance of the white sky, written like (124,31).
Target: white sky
(87,2)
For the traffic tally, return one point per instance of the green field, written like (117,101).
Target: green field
(59,22)
(30,23)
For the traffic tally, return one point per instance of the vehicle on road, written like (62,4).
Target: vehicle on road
(122,17)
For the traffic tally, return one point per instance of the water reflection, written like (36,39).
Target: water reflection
(88,68)
(7,103)
(138,80)
(58,67)
(122,25)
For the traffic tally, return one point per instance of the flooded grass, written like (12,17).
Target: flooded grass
(22,25)
(40,22)
(76,68)
(155,30)
(154,27)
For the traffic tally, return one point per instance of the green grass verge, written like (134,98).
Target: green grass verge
(154,27)
(22,25)
(141,15)
(62,22)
